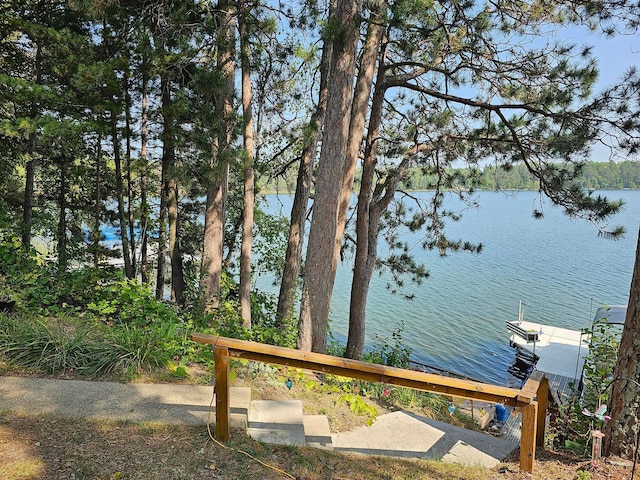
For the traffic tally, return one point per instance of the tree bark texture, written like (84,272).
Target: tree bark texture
(320,263)
(144,206)
(162,215)
(122,219)
(30,173)
(175,253)
(217,181)
(130,192)
(363,263)
(359,110)
(171,194)
(95,237)
(62,219)
(298,217)
(249,176)
(624,401)
(162,239)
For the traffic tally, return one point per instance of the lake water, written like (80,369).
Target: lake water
(559,268)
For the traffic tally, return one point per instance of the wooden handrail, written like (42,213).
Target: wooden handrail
(224,348)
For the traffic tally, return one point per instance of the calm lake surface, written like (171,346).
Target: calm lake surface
(559,268)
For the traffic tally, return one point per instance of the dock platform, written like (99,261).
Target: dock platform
(558,352)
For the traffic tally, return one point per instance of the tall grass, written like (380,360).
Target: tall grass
(129,350)
(56,347)
(51,348)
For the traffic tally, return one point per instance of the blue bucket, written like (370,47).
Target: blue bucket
(502,413)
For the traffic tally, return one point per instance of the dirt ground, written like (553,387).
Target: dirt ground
(49,448)
(37,448)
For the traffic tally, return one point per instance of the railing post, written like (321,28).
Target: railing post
(542,397)
(528,436)
(221,356)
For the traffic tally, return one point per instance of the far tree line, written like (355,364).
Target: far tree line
(129,112)
(593,176)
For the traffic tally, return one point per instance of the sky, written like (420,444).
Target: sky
(615,56)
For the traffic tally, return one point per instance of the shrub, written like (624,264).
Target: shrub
(55,347)
(126,301)
(51,348)
(391,352)
(129,350)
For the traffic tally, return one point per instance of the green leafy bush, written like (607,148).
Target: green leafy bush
(226,319)
(392,352)
(126,301)
(570,428)
(50,292)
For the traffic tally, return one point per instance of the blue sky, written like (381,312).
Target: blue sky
(615,56)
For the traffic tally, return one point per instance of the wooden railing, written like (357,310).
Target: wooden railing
(531,400)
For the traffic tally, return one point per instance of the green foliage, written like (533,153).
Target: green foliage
(49,291)
(591,176)
(359,406)
(129,302)
(600,361)
(390,351)
(583,475)
(51,348)
(570,430)
(15,261)
(270,244)
(58,346)
(569,427)
(130,349)
(226,319)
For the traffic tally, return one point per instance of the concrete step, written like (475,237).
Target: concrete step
(317,433)
(277,422)
(240,400)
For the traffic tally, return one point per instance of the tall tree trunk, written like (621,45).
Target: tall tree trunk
(144,206)
(321,251)
(62,216)
(298,217)
(217,183)
(358,118)
(122,220)
(175,253)
(130,199)
(171,192)
(363,267)
(161,270)
(95,237)
(623,428)
(30,171)
(27,204)
(249,176)
(162,218)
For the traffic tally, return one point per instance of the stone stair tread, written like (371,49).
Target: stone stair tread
(240,405)
(317,432)
(277,421)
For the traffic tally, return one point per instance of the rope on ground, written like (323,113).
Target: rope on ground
(275,469)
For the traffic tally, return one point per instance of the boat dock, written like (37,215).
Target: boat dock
(558,352)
